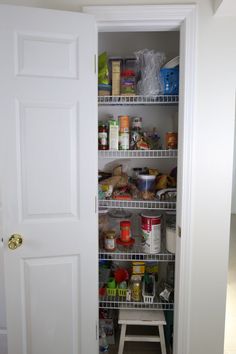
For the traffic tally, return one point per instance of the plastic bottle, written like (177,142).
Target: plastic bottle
(103,345)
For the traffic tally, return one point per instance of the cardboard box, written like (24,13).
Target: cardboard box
(116,68)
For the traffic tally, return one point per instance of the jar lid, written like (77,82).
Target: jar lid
(110,233)
(125,223)
(147,177)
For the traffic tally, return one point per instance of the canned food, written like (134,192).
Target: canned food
(136,281)
(151,233)
(171,140)
(124,124)
(124,132)
(138,268)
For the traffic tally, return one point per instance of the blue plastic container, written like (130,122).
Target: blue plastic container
(170,81)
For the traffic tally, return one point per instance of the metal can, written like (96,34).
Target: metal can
(171,140)
(124,132)
(136,282)
(151,233)
(110,240)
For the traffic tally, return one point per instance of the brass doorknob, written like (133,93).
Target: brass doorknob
(15,241)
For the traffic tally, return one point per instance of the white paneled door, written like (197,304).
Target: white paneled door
(48,179)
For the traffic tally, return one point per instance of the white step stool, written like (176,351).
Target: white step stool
(142,318)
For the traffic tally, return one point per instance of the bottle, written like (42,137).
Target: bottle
(103,344)
(135,132)
(102,136)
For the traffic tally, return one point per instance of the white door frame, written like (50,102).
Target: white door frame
(169,18)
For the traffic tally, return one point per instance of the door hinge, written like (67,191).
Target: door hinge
(95,200)
(95,63)
(179,231)
(96,330)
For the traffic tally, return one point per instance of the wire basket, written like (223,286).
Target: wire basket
(148,298)
(111,291)
(169,79)
(122,292)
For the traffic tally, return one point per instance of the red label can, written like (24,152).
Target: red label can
(151,233)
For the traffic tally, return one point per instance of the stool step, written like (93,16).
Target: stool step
(142,338)
(143,317)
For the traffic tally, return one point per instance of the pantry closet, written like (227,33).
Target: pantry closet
(50,162)
(158,113)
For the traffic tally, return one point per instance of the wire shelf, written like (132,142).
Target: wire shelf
(134,255)
(139,100)
(116,302)
(138,153)
(137,204)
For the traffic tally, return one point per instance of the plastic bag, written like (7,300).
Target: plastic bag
(149,63)
(103,73)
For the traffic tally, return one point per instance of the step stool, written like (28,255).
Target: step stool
(142,318)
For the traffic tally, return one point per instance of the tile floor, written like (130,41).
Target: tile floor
(230,323)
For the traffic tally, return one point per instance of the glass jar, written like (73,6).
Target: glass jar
(110,240)
(102,136)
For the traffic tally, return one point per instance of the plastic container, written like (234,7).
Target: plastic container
(169,79)
(171,232)
(148,298)
(146,185)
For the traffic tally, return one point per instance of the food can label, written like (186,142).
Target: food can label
(109,244)
(151,234)
(102,138)
(124,141)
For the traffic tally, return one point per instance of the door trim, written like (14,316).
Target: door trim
(169,18)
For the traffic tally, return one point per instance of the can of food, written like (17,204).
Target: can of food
(110,240)
(124,141)
(171,140)
(135,282)
(124,133)
(138,267)
(124,124)
(151,233)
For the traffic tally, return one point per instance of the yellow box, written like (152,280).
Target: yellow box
(115,78)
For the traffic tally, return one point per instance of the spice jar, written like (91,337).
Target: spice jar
(125,233)
(102,136)
(135,284)
(110,240)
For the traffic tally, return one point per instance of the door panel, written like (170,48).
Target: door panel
(47,135)
(49,179)
(39,290)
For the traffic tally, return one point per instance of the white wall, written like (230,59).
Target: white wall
(213,156)
(233,207)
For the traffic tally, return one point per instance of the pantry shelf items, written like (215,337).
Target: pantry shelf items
(114,302)
(138,153)
(137,204)
(139,100)
(134,255)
